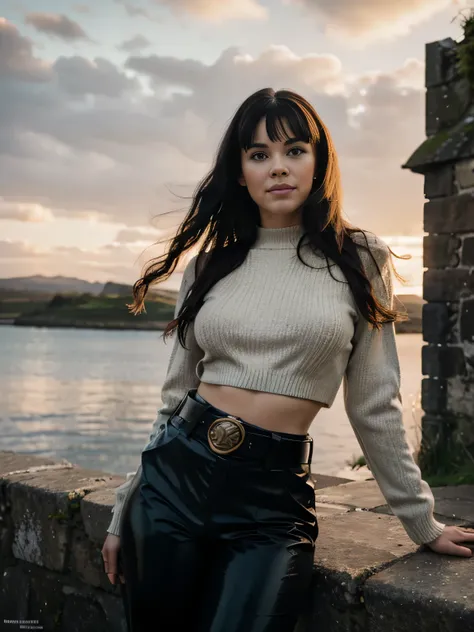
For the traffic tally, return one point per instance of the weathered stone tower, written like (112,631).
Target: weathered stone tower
(446,159)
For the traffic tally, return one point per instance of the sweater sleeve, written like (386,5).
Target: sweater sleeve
(372,398)
(181,376)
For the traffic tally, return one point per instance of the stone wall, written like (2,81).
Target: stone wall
(446,159)
(368,576)
(53,521)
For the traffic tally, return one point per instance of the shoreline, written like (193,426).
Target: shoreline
(401,328)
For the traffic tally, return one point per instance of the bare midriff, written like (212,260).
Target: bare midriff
(278,413)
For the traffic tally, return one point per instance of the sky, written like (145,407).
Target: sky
(110,113)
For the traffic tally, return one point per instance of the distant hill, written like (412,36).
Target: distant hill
(60,284)
(116,289)
(40,283)
(23,295)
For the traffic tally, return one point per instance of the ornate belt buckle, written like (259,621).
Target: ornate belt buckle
(225,435)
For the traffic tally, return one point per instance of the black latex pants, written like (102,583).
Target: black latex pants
(216,543)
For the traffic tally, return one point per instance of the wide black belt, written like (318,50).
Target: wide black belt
(227,434)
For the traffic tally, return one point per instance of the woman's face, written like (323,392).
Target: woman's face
(266,165)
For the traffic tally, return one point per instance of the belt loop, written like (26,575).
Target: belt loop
(311,445)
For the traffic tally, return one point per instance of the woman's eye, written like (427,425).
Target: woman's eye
(297,149)
(260,153)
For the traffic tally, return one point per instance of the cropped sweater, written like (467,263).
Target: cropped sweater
(278,326)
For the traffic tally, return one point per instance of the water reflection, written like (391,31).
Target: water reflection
(91,397)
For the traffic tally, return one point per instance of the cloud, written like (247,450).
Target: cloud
(16,59)
(24,212)
(90,141)
(133,236)
(218,11)
(135,11)
(115,262)
(56,25)
(82,8)
(372,19)
(134,44)
(193,118)
(80,76)
(20,249)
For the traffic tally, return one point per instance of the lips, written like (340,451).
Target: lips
(281,187)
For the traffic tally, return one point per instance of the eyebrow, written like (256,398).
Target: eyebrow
(290,141)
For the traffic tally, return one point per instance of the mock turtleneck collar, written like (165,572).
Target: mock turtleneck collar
(278,238)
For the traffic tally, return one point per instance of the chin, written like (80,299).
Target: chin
(284,207)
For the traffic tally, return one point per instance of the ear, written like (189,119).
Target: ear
(242,181)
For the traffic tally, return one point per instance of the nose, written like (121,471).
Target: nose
(278,170)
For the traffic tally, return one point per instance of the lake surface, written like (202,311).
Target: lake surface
(90,396)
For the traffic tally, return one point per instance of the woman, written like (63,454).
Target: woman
(217,529)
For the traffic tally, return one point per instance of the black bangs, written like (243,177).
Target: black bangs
(281,115)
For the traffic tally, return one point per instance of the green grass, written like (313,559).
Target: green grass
(84,309)
(450,479)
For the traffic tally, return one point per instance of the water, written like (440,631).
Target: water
(90,397)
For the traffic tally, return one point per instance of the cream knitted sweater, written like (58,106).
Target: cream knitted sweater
(278,326)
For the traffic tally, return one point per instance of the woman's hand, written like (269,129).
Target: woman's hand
(110,552)
(446,543)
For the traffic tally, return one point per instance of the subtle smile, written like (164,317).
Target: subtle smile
(281,189)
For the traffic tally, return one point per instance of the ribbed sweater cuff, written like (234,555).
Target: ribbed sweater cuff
(122,495)
(425,529)
(114,526)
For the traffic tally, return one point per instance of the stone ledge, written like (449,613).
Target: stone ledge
(368,575)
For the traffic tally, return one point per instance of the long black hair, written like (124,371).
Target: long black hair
(225,219)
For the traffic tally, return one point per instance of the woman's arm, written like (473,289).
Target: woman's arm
(373,403)
(181,376)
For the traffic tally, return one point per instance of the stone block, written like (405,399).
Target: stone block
(112,606)
(460,397)
(453,521)
(454,214)
(358,494)
(435,322)
(454,492)
(46,600)
(460,511)
(96,512)
(466,320)
(28,593)
(14,593)
(323,480)
(16,461)
(447,285)
(445,104)
(467,255)
(350,547)
(43,508)
(446,443)
(86,561)
(453,505)
(92,615)
(439,182)
(433,395)
(443,362)
(464,174)
(427,591)
(438,69)
(328,509)
(440,251)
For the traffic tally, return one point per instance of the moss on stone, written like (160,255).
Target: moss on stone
(465,49)
(436,148)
